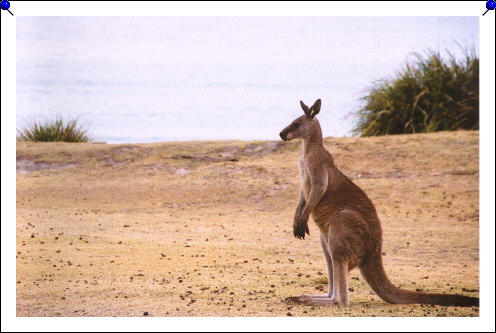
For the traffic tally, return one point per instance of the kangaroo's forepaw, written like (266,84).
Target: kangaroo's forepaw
(300,229)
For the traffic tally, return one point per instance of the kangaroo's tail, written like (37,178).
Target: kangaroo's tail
(373,272)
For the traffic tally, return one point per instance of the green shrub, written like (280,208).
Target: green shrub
(432,94)
(58,130)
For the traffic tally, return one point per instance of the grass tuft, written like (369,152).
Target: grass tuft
(429,95)
(50,131)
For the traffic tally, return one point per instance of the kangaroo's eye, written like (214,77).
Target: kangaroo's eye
(296,125)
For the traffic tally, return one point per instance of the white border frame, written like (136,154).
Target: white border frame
(215,8)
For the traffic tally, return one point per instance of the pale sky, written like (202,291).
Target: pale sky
(145,79)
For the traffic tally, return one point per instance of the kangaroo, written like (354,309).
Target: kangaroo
(350,230)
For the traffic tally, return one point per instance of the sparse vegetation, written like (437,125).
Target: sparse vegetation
(432,94)
(130,229)
(56,130)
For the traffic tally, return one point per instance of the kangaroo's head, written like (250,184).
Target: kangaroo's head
(304,126)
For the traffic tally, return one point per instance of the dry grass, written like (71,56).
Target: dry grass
(205,228)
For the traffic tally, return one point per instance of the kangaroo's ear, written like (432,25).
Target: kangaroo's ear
(315,109)
(305,108)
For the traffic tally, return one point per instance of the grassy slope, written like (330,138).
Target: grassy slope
(130,229)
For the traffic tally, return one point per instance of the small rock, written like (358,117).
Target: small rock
(182,171)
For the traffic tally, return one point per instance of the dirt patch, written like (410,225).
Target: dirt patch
(234,153)
(129,149)
(399,174)
(26,165)
(160,167)
(250,150)
(232,169)
(123,155)
(205,158)
(374,174)
(456,173)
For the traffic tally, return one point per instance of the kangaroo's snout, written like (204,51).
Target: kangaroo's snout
(283,135)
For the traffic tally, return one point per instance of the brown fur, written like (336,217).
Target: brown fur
(351,234)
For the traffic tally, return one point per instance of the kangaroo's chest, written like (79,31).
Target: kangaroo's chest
(305,180)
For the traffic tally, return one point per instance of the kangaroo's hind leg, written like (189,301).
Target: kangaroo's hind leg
(330,277)
(328,259)
(346,236)
(340,288)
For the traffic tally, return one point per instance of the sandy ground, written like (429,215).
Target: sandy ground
(205,228)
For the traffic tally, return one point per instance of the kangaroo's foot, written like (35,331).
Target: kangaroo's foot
(317,300)
(296,299)
(316,296)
